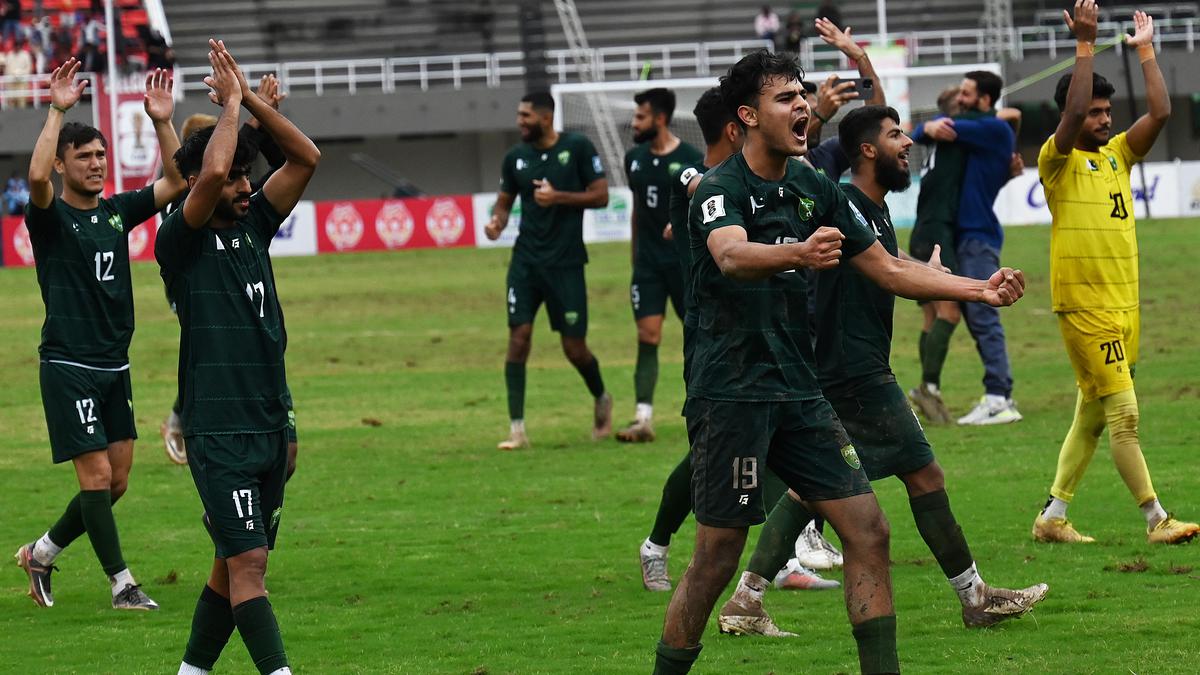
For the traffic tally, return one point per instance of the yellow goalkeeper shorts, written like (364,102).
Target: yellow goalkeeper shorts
(1103,348)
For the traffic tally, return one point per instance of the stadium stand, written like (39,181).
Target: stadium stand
(55,30)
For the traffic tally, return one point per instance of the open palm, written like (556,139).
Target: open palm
(1143,30)
(159,103)
(64,90)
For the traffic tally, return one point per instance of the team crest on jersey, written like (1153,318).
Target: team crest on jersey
(116,223)
(674,167)
(851,457)
(1112,162)
(805,208)
(564,157)
(445,222)
(571,318)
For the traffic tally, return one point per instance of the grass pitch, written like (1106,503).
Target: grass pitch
(410,545)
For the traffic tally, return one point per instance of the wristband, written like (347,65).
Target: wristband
(1083,49)
(824,120)
(1145,53)
(58,108)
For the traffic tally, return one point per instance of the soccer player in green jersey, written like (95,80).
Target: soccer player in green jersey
(753,395)
(557,176)
(215,261)
(81,251)
(853,352)
(651,167)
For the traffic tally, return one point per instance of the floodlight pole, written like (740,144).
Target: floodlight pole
(111,89)
(881,19)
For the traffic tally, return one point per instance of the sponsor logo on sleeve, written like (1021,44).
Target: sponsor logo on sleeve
(596,165)
(713,208)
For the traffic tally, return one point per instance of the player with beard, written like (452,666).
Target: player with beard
(853,353)
(1094,274)
(557,176)
(214,254)
(754,399)
(81,249)
(651,167)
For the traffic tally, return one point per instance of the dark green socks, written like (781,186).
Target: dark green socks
(591,376)
(921,346)
(256,622)
(514,381)
(69,526)
(941,532)
(212,624)
(645,376)
(676,503)
(936,346)
(777,541)
(674,661)
(95,508)
(876,640)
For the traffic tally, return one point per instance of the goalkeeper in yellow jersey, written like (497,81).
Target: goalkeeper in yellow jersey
(1094,274)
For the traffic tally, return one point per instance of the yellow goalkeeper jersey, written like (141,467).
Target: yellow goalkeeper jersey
(1093,239)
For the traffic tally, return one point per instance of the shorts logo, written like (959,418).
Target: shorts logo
(275,515)
(564,157)
(571,318)
(713,208)
(249,524)
(744,500)
(851,457)
(805,208)
(291,419)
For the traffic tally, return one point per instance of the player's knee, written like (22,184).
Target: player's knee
(871,534)
(576,352)
(1123,422)
(248,566)
(927,479)
(118,487)
(650,335)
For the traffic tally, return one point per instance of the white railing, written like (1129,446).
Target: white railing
(32,91)
(698,59)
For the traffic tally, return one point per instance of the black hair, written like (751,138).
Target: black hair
(863,125)
(745,80)
(1101,88)
(190,155)
(661,100)
(75,134)
(712,115)
(540,100)
(986,82)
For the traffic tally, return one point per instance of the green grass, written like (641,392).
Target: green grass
(413,546)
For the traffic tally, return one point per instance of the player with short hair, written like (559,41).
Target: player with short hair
(1094,274)
(650,167)
(853,354)
(557,175)
(214,254)
(753,395)
(81,250)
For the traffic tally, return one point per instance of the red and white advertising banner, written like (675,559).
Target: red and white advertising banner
(132,143)
(380,225)
(18,252)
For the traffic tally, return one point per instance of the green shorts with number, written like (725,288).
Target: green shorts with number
(884,429)
(733,442)
(926,235)
(563,289)
(652,286)
(86,409)
(240,479)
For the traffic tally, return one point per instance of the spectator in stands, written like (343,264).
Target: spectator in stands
(18,64)
(15,195)
(90,51)
(793,32)
(158,53)
(10,17)
(766,24)
(829,10)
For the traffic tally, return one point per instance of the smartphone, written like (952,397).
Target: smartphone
(865,86)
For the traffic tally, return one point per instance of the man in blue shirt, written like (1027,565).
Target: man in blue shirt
(989,142)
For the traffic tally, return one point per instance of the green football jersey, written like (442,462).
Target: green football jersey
(551,236)
(941,181)
(854,315)
(82,260)
(753,340)
(650,179)
(231,338)
(679,229)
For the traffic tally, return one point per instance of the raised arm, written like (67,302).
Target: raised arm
(1079,93)
(918,281)
(840,39)
(160,105)
(285,187)
(218,155)
(1145,130)
(64,93)
(744,260)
